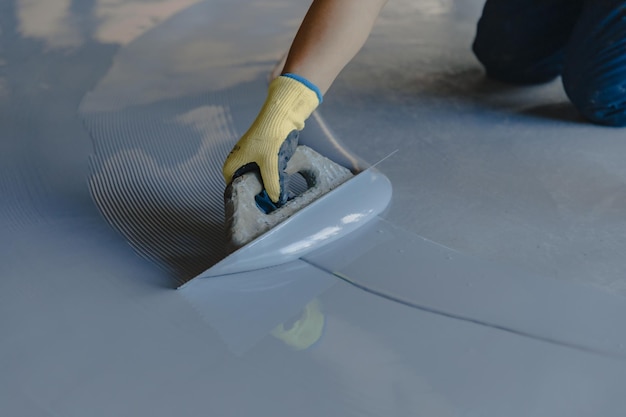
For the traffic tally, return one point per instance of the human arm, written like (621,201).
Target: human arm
(331,34)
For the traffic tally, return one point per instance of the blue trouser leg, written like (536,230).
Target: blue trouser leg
(594,76)
(523,41)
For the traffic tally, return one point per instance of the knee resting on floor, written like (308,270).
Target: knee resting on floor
(594,74)
(587,46)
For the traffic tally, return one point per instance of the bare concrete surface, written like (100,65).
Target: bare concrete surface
(492,287)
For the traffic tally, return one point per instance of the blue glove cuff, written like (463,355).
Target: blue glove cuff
(307,83)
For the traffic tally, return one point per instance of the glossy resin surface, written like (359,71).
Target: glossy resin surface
(492,286)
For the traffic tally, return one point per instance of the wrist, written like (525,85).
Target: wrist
(289,103)
(307,84)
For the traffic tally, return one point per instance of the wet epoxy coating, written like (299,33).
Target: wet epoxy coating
(511,306)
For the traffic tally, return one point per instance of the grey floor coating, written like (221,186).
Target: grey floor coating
(494,287)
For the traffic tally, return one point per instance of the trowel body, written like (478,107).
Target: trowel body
(335,203)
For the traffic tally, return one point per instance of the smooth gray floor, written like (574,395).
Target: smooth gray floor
(492,287)
(503,173)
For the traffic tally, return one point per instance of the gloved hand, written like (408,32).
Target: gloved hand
(290,101)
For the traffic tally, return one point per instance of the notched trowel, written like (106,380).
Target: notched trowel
(335,203)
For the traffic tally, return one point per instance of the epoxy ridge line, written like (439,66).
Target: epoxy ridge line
(433,278)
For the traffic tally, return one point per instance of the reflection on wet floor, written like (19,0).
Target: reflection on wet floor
(61,23)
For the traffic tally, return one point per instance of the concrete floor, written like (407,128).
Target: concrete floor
(493,286)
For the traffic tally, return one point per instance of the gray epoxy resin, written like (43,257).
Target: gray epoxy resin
(156,168)
(498,180)
(157,177)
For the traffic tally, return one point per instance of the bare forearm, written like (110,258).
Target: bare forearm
(331,34)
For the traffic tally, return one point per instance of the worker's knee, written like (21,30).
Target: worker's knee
(523,41)
(505,64)
(594,76)
(600,97)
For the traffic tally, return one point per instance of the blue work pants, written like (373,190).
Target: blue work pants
(584,41)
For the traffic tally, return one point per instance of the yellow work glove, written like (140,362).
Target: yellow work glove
(290,101)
